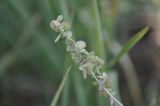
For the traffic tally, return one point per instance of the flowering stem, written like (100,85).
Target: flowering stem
(94,76)
(113,97)
(110,101)
(88,63)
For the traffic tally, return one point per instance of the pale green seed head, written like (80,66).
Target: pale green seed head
(60,18)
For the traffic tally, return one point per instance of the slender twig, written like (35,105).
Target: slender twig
(113,97)
(111,101)
(94,76)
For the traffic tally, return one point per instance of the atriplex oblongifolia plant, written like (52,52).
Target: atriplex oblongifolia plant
(88,63)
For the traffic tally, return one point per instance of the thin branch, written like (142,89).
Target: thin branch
(94,76)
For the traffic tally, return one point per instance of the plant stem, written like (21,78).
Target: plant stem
(113,97)
(99,44)
(94,76)
(54,102)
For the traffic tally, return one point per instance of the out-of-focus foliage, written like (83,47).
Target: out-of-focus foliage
(32,65)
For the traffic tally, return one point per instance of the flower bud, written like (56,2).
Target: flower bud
(55,25)
(60,18)
(80,44)
(68,34)
(66,26)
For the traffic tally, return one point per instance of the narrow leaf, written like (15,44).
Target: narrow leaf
(57,95)
(132,42)
(98,37)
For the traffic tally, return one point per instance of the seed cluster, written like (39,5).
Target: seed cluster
(88,62)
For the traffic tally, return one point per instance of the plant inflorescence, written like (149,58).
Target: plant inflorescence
(88,62)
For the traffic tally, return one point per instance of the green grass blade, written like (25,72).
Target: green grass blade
(64,10)
(66,92)
(56,97)
(133,41)
(129,72)
(99,45)
(79,89)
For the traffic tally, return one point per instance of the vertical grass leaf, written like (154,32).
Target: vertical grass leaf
(57,95)
(98,37)
(132,42)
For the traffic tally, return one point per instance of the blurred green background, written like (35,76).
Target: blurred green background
(32,65)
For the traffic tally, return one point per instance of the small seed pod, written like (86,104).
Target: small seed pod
(106,80)
(66,26)
(55,25)
(68,34)
(60,18)
(80,44)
